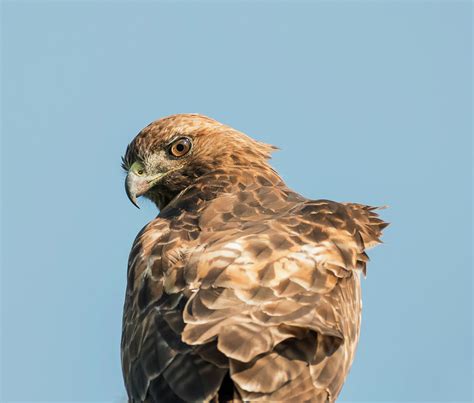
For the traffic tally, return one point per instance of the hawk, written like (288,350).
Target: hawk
(240,289)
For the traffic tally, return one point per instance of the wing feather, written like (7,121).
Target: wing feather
(262,288)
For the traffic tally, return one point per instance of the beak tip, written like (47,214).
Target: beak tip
(134,200)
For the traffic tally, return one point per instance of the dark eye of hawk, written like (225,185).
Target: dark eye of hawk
(180,147)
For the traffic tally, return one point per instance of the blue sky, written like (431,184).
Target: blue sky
(369,102)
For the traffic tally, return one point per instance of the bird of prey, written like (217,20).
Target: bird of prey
(240,289)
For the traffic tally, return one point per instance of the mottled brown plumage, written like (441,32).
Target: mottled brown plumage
(240,289)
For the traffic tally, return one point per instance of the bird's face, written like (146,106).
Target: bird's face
(170,154)
(160,167)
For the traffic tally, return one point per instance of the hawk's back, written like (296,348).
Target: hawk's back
(242,289)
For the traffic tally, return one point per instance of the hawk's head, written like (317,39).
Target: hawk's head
(171,153)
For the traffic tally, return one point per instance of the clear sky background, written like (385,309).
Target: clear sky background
(369,102)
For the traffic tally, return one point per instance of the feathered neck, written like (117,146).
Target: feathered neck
(214,184)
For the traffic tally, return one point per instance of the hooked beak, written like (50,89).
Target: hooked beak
(136,186)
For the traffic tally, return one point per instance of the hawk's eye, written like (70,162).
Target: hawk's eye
(180,147)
